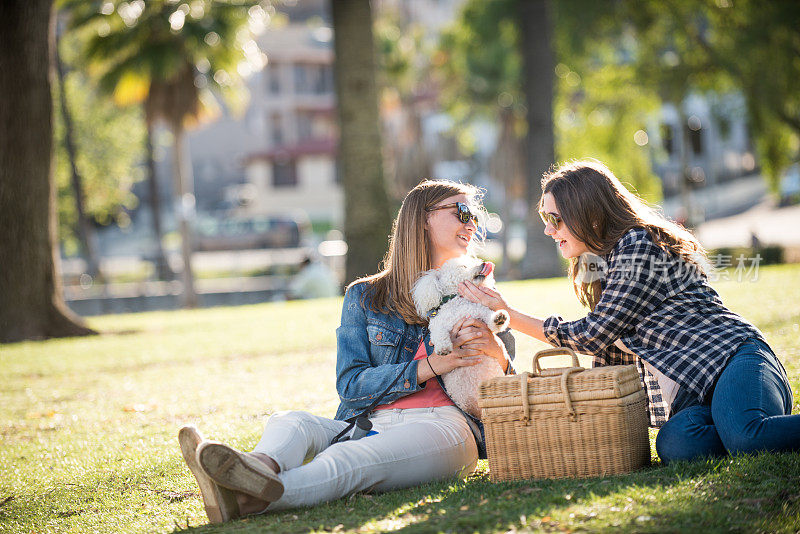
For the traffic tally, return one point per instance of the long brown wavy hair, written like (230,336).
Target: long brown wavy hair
(410,253)
(599,210)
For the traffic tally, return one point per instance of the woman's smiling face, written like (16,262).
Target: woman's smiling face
(569,245)
(449,237)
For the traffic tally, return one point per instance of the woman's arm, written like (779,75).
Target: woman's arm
(358,380)
(527,324)
(634,288)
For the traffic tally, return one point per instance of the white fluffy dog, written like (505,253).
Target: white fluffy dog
(435,296)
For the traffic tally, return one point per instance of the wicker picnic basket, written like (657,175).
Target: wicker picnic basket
(565,422)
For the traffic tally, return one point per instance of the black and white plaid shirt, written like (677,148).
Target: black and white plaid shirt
(664,311)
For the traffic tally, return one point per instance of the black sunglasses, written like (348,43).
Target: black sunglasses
(462,212)
(552,218)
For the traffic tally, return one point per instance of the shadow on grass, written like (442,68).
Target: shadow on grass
(743,493)
(121,333)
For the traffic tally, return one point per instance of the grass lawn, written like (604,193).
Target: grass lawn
(89,430)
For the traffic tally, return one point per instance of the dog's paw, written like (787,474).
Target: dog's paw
(444,352)
(500,319)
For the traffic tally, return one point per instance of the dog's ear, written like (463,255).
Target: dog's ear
(426,292)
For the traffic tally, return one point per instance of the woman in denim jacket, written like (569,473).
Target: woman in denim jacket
(382,345)
(643,277)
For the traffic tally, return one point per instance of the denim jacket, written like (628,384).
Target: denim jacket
(371,350)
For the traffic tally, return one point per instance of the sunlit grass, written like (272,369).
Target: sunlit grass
(89,426)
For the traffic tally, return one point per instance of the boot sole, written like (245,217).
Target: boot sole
(220,503)
(234,470)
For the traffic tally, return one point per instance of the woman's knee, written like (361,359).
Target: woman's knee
(746,437)
(743,444)
(290,417)
(750,398)
(687,435)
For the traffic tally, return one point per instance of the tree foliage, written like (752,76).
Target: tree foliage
(618,61)
(600,104)
(174,57)
(480,77)
(109,145)
(403,53)
(480,65)
(682,46)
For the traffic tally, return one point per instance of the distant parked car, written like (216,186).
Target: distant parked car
(790,186)
(243,233)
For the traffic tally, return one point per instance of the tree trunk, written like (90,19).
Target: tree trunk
(163,271)
(686,194)
(185,206)
(86,234)
(506,166)
(367,210)
(541,256)
(31,303)
(413,162)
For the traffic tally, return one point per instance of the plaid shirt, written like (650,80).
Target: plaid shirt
(664,312)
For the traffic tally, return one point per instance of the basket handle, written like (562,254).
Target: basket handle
(526,405)
(556,351)
(565,390)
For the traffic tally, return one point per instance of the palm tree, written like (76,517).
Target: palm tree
(163,270)
(173,58)
(85,230)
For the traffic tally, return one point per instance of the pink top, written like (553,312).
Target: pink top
(432,395)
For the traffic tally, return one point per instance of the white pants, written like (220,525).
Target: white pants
(412,447)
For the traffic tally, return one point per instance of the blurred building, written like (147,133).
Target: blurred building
(294,106)
(280,156)
(703,154)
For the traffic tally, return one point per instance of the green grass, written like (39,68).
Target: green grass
(88,429)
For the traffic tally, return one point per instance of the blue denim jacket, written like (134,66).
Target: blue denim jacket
(371,350)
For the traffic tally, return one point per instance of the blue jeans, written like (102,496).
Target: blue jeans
(749,411)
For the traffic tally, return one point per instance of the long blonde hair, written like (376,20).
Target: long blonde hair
(598,210)
(410,253)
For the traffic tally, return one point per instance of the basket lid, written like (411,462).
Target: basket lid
(608,382)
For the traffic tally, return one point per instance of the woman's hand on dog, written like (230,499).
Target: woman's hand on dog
(472,338)
(444,363)
(482,295)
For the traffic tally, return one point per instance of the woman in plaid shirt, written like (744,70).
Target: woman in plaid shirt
(705,369)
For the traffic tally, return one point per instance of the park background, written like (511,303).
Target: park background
(239,138)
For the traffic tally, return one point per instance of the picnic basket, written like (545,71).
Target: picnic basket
(565,422)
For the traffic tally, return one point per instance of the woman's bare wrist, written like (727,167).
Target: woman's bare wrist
(514,318)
